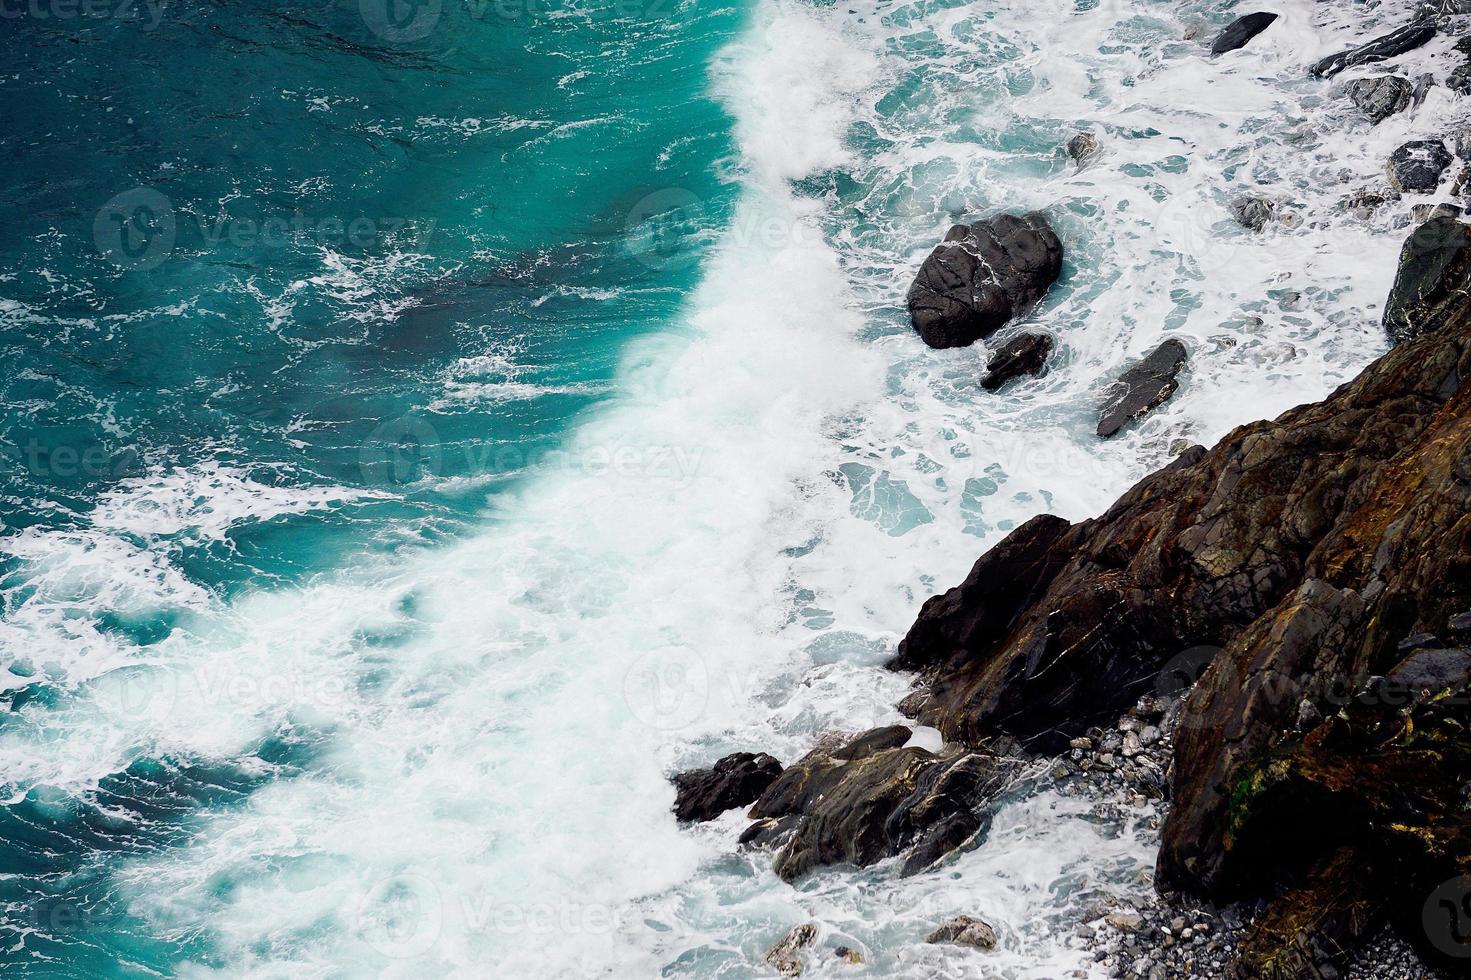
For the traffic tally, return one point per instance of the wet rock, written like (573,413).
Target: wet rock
(874,740)
(1381,96)
(982,276)
(1241,31)
(1421,213)
(848,955)
(1253,212)
(1081,149)
(1380,49)
(1429,286)
(1023,354)
(1143,387)
(788,956)
(1123,921)
(964,930)
(879,804)
(1416,167)
(736,780)
(1459,80)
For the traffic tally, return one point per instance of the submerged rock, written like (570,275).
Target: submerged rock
(981,276)
(1383,48)
(736,780)
(1242,30)
(964,930)
(1380,97)
(1417,166)
(1253,211)
(1023,354)
(1434,269)
(1143,387)
(787,956)
(1081,149)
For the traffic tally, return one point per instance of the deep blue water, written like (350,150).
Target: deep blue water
(264,247)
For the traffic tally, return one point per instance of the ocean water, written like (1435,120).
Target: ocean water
(428,426)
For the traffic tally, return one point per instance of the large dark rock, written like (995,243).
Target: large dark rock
(1143,387)
(1252,211)
(1416,167)
(1434,268)
(981,276)
(1023,354)
(1381,96)
(1391,45)
(1241,30)
(736,780)
(877,804)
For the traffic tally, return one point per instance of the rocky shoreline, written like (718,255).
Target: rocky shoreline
(1265,646)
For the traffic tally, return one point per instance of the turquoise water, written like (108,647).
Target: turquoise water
(357,265)
(431,424)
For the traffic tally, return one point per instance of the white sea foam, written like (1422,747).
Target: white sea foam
(496,719)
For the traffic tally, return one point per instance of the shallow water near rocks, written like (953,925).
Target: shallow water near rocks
(295,694)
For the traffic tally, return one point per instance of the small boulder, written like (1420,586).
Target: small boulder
(1391,45)
(1416,167)
(1023,354)
(1143,387)
(1381,96)
(1124,921)
(1242,30)
(1081,149)
(981,276)
(874,740)
(964,930)
(736,780)
(787,956)
(1253,211)
(1459,81)
(1434,264)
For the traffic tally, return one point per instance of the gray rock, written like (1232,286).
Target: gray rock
(964,930)
(1459,81)
(1253,211)
(1143,387)
(786,956)
(1380,97)
(1424,212)
(981,276)
(1417,166)
(1023,354)
(1081,149)
(1391,45)
(1242,30)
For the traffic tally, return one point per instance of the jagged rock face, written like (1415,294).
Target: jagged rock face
(1062,627)
(1434,266)
(1380,97)
(1024,354)
(874,803)
(981,276)
(1242,30)
(1417,166)
(1143,388)
(736,780)
(1391,45)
